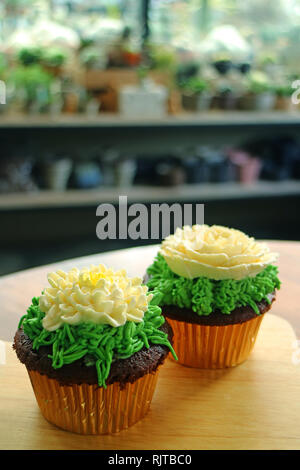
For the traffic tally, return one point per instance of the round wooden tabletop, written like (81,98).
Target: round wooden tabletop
(17,290)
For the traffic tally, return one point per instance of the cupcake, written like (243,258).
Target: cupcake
(93,343)
(216,285)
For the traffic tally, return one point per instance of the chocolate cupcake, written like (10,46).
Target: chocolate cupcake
(216,285)
(93,344)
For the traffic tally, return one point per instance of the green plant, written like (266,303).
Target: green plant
(195,85)
(162,58)
(259,83)
(93,57)
(142,72)
(54,57)
(268,59)
(31,80)
(29,55)
(3,65)
(225,89)
(283,90)
(89,56)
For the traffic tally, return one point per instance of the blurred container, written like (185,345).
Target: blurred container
(248,167)
(257,102)
(146,171)
(71,93)
(170,174)
(56,106)
(278,154)
(108,161)
(197,170)
(86,175)
(92,107)
(148,100)
(56,174)
(71,102)
(216,167)
(196,101)
(221,169)
(226,100)
(284,103)
(124,172)
(16,175)
(265,101)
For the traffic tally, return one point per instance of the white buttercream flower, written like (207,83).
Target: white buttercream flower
(215,252)
(96,294)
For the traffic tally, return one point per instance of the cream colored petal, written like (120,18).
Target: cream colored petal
(51,325)
(72,320)
(66,310)
(216,252)
(213,259)
(97,294)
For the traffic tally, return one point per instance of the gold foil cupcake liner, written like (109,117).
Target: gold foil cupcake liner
(214,347)
(89,409)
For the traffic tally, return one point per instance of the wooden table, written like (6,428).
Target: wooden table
(252,406)
(17,290)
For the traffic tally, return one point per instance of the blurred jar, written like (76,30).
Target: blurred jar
(148,100)
(86,175)
(196,101)
(56,174)
(71,96)
(124,172)
(16,175)
(170,174)
(197,169)
(248,167)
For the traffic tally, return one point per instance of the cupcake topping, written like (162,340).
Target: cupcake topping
(215,252)
(96,294)
(204,296)
(96,314)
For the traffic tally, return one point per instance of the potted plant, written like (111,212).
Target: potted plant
(32,86)
(196,95)
(259,95)
(225,97)
(162,58)
(283,97)
(29,55)
(53,59)
(131,56)
(93,57)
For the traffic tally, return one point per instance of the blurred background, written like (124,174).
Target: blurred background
(160,100)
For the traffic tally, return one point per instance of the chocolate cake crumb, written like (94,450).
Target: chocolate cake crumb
(217,318)
(122,370)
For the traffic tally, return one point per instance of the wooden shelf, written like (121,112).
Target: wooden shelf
(204,119)
(150,194)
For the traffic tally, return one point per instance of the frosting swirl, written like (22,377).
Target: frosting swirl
(96,294)
(215,252)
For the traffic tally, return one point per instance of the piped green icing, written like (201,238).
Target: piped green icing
(99,344)
(204,295)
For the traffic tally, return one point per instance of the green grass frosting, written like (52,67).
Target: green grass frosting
(99,344)
(204,295)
